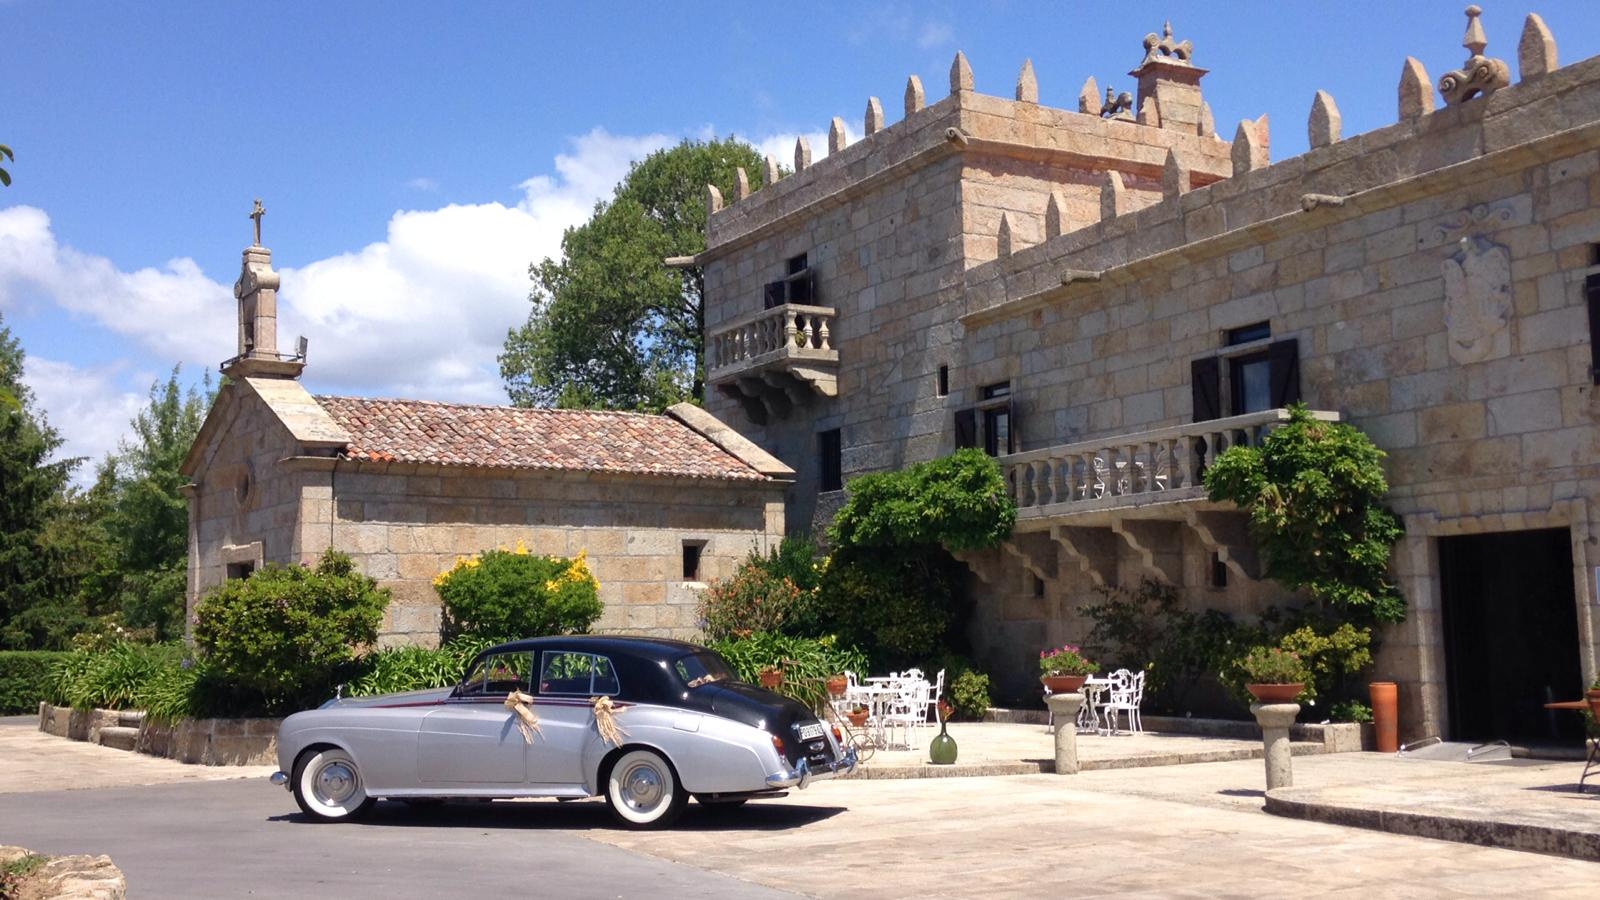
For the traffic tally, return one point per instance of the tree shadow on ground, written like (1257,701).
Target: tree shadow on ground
(578,815)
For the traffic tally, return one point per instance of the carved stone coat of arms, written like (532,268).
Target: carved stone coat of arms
(1477,300)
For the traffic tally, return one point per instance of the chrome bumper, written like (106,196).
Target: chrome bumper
(281,780)
(802,774)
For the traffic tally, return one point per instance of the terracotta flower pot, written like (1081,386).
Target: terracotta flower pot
(1385,715)
(857,719)
(1276,693)
(771,679)
(1593,696)
(1063,684)
(837,684)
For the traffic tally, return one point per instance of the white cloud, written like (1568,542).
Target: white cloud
(85,405)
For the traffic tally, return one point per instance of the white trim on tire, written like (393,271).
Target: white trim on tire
(643,791)
(328,787)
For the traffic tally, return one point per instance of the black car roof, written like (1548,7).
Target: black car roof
(651,647)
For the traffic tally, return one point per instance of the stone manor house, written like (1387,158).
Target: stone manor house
(1106,296)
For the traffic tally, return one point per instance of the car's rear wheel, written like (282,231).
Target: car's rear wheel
(643,791)
(328,786)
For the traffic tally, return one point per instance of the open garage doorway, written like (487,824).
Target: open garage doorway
(1511,636)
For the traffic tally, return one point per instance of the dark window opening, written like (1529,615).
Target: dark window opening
(1219,572)
(966,425)
(797,264)
(1594,254)
(992,391)
(830,454)
(1246,334)
(691,559)
(772,295)
(1038,586)
(997,437)
(944,381)
(1591,294)
(1251,383)
(240,570)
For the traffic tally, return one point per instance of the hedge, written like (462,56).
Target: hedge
(25,679)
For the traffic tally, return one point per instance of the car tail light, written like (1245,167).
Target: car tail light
(838,737)
(777,744)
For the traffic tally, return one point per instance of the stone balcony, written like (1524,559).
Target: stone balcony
(775,360)
(1076,503)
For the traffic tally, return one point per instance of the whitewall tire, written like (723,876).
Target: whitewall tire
(643,790)
(328,786)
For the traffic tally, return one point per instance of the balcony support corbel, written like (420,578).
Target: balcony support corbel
(1093,549)
(1037,552)
(1157,544)
(1227,535)
(983,563)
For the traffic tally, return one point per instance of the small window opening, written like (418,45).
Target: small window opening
(830,458)
(992,391)
(1038,586)
(1594,254)
(797,264)
(944,381)
(1245,334)
(691,559)
(240,570)
(1219,572)
(1251,383)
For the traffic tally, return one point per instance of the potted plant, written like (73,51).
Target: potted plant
(837,684)
(857,716)
(1063,669)
(1273,675)
(942,749)
(771,677)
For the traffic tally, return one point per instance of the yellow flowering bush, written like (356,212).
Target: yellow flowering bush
(506,594)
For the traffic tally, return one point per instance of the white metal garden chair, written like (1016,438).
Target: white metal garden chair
(1126,694)
(907,710)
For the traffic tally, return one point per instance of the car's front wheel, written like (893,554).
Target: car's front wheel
(643,791)
(328,786)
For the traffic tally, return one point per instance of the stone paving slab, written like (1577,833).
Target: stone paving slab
(31,760)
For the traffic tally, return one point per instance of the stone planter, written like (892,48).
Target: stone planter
(1276,693)
(1063,684)
(209,742)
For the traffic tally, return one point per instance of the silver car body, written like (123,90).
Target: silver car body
(437,744)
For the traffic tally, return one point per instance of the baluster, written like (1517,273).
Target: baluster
(810,331)
(788,328)
(1131,469)
(822,333)
(1052,469)
(1090,477)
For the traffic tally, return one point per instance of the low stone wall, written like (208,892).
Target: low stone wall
(208,742)
(1335,737)
(79,877)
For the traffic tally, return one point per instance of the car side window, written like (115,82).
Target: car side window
(499,674)
(564,672)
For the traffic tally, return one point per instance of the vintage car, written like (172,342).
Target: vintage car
(647,723)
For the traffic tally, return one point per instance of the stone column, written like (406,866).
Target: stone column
(1275,719)
(1064,711)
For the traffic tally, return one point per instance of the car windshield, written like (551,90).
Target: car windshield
(703,668)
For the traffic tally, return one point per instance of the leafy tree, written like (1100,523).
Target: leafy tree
(30,482)
(5,153)
(1313,491)
(611,327)
(959,501)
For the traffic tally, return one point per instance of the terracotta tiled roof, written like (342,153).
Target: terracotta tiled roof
(509,437)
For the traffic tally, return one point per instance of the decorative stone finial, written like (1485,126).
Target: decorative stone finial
(1150,113)
(836,136)
(1416,91)
(1251,146)
(1114,199)
(1479,75)
(1208,122)
(1055,213)
(872,123)
(1536,52)
(713,199)
(1174,177)
(257,293)
(1325,124)
(770,172)
(802,153)
(1117,106)
(741,184)
(1089,97)
(1002,240)
(913,94)
(960,73)
(1027,83)
(1165,48)
(255,216)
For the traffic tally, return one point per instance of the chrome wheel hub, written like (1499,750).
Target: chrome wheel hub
(335,783)
(642,788)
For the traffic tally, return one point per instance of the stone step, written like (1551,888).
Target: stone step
(119,737)
(130,718)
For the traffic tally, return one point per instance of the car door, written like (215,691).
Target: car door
(472,738)
(568,683)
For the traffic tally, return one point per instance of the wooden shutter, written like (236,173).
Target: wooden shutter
(1591,292)
(1205,381)
(773,294)
(966,428)
(1013,440)
(1283,368)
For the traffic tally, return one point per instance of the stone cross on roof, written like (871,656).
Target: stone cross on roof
(256,214)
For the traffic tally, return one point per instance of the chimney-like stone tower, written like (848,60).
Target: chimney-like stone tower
(1167,75)
(257,293)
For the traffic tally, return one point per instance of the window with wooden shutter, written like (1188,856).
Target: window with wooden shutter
(1205,382)
(1283,360)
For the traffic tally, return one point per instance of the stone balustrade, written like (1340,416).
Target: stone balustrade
(789,330)
(1164,464)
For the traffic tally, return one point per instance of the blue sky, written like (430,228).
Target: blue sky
(415,157)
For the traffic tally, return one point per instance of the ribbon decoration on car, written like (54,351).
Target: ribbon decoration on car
(605,720)
(527,721)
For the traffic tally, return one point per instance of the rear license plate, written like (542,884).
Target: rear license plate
(811,732)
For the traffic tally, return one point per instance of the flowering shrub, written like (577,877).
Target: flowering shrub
(754,599)
(507,594)
(1272,665)
(1065,660)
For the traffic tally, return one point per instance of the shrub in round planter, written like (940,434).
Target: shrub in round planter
(1273,675)
(1064,669)
(510,594)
